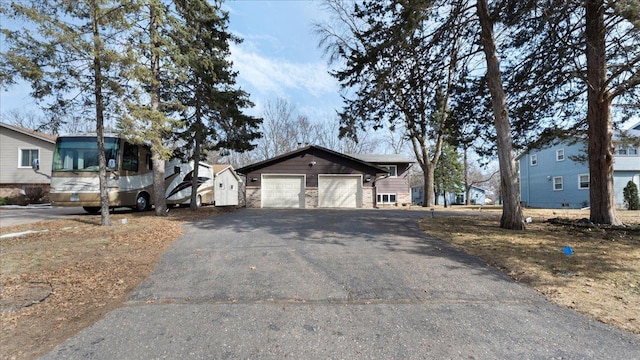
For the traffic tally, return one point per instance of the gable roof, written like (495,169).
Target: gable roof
(383,158)
(35,134)
(273,160)
(219,168)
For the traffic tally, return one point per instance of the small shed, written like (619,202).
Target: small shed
(226,183)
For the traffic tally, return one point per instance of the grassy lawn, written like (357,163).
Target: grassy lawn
(601,279)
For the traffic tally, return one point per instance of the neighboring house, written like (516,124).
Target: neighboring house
(227,185)
(316,177)
(19,147)
(552,177)
(391,190)
(477,196)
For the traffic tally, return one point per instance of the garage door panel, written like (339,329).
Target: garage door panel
(339,191)
(283,191)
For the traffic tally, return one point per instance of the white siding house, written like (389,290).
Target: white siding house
(18,148)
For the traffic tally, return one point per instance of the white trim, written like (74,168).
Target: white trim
(388,167)
(553,183)
(533,160)
(580,182)
(359,193)
(20,150)
(560,155)
(381,195)
(304,187)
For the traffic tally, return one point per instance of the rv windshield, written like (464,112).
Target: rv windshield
(81,153)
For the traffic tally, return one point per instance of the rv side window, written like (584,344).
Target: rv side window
(130,157)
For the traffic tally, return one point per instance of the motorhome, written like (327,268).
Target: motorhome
(75,181)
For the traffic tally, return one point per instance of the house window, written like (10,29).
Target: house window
(386,198)
(26,157)
(392,169)
(583,181)
(621,150)
(633,151)
(534,159)
(558,183)
(560,155)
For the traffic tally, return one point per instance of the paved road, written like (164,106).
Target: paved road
(17,215)
(334,284)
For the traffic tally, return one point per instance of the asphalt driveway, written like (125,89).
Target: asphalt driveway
(335,284)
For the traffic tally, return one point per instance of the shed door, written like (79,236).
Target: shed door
(282,191)
(340,191)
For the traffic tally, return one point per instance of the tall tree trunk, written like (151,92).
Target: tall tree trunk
(600,143)
(159,199)
(429,185)
(467,186)
(511,209)
(97,73)
(197,151)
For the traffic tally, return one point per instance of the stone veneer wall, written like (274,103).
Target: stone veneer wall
(311,198)
(252,197)
(368,198)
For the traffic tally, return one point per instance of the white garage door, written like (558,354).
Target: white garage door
(282,191)
(340,191)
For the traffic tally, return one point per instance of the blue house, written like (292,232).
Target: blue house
(477,196)
(554,177)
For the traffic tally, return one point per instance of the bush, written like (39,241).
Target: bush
(34,194)
(5,201)
(630,193)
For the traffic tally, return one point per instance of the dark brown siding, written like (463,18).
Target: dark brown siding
(323,163)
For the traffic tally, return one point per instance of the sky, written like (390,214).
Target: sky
(278,58)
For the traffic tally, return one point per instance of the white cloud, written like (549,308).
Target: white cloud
(280,77)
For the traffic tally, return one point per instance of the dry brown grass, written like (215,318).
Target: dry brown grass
(56,282)
(601,279)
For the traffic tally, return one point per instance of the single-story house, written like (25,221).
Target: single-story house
(19,147)
(316,177)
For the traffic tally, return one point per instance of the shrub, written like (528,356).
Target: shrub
(630,193)
(34,194)
(5,201)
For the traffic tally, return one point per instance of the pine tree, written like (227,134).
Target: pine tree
(147,119)
(577,61)
(212,106)
(400,64)
(630,194)
(448,174)
(72,60)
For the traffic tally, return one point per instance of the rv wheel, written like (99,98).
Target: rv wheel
(91,209)
(142,202)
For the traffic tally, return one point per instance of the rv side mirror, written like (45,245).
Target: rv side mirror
(35,164)
(176,169)
(111,164)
